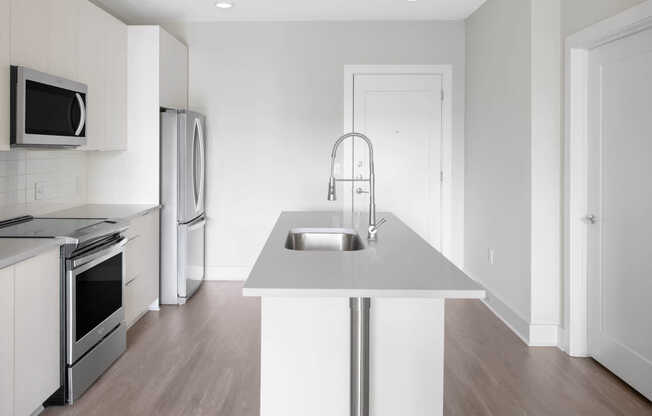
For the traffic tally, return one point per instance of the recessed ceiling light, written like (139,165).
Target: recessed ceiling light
(224,4)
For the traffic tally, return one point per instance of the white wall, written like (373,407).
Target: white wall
(513,180)
(273,96)
(545,157)
(498,148)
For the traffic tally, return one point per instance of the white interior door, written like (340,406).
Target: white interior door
(620,198)
(402,115)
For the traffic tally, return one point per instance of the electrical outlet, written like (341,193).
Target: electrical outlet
(44,190)
(39,190)
(492,256)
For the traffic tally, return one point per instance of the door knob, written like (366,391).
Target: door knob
(590,219)
(361,191)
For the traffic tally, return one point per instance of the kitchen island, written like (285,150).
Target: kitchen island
(306,331)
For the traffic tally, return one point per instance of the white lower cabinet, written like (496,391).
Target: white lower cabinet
(142,266)
(7,341)
(30,317)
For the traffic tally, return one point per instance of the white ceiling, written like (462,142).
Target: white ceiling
(160,11)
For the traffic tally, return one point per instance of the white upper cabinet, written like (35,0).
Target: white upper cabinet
(115,108)
(5,59)
(62,46)
(72,39)
(173,72)
(31,22)
(91,62)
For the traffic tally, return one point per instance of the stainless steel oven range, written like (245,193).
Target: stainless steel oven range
(93,331)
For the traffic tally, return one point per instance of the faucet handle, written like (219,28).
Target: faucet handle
(373,229)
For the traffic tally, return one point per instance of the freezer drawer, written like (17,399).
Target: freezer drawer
(191,262)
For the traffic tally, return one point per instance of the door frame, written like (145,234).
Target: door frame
(446,163)
(576,150)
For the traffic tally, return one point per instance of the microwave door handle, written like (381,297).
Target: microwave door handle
(82,118)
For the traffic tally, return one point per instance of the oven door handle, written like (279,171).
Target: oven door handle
(101,252)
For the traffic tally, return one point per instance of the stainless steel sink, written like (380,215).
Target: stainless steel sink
(323,239)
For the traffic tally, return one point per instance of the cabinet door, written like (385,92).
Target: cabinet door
(115,136)
(7,341)
(91,67)
(62,39)
(151,242)
(5,60)
(133,307)
(37,331)
(135,258)
(30,31)
(173,72)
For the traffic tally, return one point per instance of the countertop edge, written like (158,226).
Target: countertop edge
(44,244)
(365,293)
(139,213)
(65,213)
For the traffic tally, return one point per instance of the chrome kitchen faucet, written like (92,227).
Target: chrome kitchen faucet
(373,225)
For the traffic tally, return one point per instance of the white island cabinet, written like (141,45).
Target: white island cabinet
(30,326)
(308,326)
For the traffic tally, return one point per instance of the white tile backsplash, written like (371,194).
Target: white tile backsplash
(59,176)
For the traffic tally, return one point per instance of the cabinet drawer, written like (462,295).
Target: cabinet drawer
(137,226)
(134,257)
(133,307)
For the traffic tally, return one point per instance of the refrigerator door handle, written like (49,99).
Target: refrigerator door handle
(202,160)
(195,191)
(195,225)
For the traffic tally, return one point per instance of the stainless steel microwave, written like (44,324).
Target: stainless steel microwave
(46,110)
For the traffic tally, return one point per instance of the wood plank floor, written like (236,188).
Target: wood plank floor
(203,359)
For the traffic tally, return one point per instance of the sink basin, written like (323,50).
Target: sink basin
(323,239)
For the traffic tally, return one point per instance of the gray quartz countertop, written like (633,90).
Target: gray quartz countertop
(15,250)
(122,212)
(398,264)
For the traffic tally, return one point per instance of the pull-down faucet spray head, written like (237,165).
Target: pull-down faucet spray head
(331,189)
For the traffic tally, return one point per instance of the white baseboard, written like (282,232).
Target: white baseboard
(533,335)
(563,340)
(227,272)
(513,320)
(544,335)
(155,306)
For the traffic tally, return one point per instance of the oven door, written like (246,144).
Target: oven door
(46,110)
(94,293)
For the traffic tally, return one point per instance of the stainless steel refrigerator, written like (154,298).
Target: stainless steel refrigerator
(183,219)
